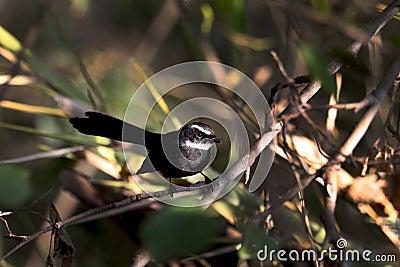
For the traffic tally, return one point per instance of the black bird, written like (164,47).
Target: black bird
(175,154)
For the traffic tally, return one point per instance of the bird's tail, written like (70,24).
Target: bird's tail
(106,126)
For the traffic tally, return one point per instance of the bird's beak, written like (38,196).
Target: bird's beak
(216,140)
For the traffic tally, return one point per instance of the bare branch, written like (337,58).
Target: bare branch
(247,160)
(335,65)
(282,68)
(44,155)
(279,86)
(348,146)
(362,126)
(332,233)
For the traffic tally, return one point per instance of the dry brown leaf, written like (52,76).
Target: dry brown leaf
(307,150)
(368,189)
(18,80)
(103,164)
(64,249)
(332,113)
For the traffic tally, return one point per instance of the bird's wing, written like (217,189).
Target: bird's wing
(146,167)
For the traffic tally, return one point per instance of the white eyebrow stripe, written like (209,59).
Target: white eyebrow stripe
(201,129)
(201,146)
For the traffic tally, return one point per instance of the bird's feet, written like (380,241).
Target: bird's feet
(172,189)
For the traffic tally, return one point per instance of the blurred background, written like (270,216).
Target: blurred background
(86,54)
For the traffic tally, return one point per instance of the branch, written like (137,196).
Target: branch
(247,160)
(330,205)
(356,106)
(210,191)
(44,155)
(376,98)
(136,202)
(281,85)
(348,146)
(311,89)
(360,129)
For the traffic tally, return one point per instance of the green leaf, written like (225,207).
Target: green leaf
(232,12)
(62,85)
(356,64)
(15,186)
(321,5)
(174,233)
(208,18)
(395,40)
(64,137)
(254,240)
(317,64)
(80,7)
(239,205)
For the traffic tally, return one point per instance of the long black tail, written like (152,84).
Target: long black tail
(106,126)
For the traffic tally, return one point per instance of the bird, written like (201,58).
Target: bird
(176,154)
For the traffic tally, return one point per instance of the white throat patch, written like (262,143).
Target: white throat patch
(201,146)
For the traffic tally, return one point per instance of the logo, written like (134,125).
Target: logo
(339,253)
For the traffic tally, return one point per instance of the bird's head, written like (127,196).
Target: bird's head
(198,135)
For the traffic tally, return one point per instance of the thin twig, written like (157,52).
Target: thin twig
(294,9)
(331,187)
(247,160)
(93,89)
(213,253)
(355,106)
(311,89)
(282,69)
(377,96)
(292,193)
(44,155)
(348,146)
(345,150)
(10,234)
(304,213)
(29,40)
(281,85)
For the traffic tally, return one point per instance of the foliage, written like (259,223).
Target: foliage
(61,58)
